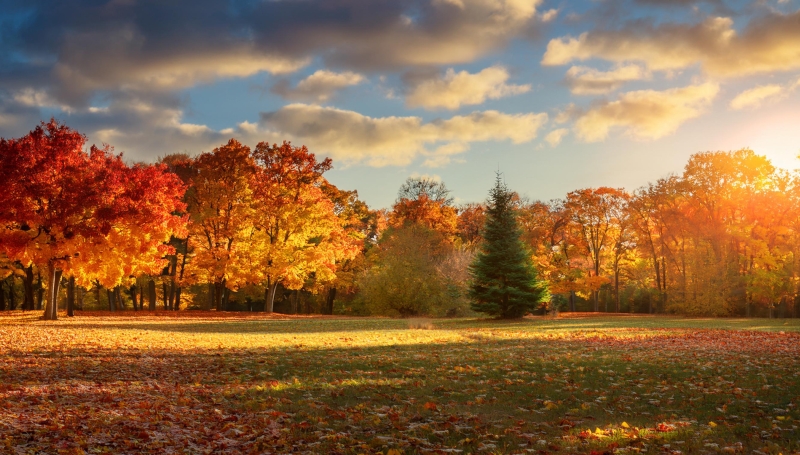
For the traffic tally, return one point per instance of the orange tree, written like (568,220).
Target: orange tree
(222,216)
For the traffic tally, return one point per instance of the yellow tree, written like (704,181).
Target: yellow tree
(222,219)
(298,234)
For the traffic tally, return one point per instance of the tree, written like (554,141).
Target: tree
(298,235)
(64,207)
(471,218)
(596,214)
(427,202)
(553,239)
(404,277)
(504,281)
(360,233)
(222,215)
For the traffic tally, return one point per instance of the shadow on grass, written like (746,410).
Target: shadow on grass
(450,394)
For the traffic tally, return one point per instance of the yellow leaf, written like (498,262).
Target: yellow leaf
(625,425)
(712,424)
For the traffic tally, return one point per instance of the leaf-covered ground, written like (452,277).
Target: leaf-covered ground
(207,383)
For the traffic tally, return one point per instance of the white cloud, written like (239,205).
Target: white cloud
(318,87)
(589,81)
(556,136)
(432,177)
(353,137)
(755,97)
(458,89)
(646,114)
(767,44)
(443,154)
(548,15)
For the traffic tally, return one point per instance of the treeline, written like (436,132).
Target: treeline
(262,230)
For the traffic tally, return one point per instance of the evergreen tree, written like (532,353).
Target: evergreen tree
(504,282)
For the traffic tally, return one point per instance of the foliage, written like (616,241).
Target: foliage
(426,202)
(404,278)
(504,281)
(298,234)
(67,210)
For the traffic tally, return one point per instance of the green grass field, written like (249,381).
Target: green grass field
(222,383)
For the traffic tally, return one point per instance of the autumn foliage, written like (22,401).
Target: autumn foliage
(68,211)
(262,229)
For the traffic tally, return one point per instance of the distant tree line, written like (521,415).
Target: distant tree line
(261,229)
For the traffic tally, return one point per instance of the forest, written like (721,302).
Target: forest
(262,230)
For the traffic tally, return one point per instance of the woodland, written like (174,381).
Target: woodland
(261,230)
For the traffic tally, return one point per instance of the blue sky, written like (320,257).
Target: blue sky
(556,95)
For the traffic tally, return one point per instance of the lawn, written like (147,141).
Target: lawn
(222,383)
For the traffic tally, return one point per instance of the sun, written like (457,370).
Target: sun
(776,136)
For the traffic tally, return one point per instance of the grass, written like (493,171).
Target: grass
(209,383)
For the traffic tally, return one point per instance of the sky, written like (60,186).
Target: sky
(556,95)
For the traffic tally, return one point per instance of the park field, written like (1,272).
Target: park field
(223,383)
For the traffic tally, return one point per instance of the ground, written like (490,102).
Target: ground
(222,383)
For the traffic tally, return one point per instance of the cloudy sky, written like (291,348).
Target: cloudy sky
(558,95)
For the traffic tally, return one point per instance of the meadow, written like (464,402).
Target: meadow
(206,382)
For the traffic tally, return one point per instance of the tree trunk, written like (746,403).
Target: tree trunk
(12,301)
(329,299)
(39,290)
(120,302)
(211,292)
(80,298)
(180,275)
(111,300)
(616,290)
(2,296)
(219,291)
(165,292)
(171,303)
(663,296)
(177,298)
(572,301)
(226,295)
(132,292)
(151,291)
(269,301)
(71,297)
(54,280)
(27,286)
(97,294)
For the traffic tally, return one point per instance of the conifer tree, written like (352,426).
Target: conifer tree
(504,281)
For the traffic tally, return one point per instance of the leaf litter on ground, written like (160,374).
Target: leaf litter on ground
(220,383)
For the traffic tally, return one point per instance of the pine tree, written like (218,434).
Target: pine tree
(504,282)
